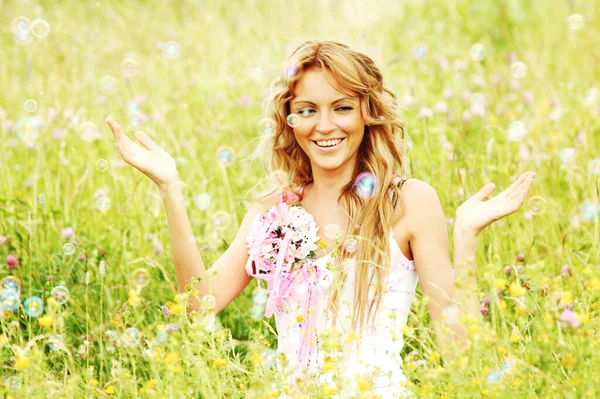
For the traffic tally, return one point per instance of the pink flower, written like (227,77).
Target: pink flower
(570,317)
(426,113)
(11,261)
(528,98)
(8,125)
(448,93)
(466,116)
(3,239)
(99,193)
(67,233)
(58,134)
(565,271)
(158,248)
(441,107)
(245,101)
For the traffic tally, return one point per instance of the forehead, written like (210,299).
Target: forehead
(319,85)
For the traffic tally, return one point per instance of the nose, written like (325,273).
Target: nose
(325,124)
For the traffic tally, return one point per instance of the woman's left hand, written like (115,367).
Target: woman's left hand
(474,215)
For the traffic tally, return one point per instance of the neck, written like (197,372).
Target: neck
(327,186)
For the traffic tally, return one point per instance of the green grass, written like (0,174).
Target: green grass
(209,96)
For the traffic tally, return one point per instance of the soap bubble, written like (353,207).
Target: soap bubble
(257,312)
(202,201)
(477,52)
(171,50)
(24,38)
(576,21)
(420,51)
(567,155)
(103,204)
(88,131)
(269,357)
(11,300)
(494,377)
(13,382)
(102,165)
(589,211)
(211,323)
(28,129)
(351,245)
(516,131)
(333,231)
(40,28)
(60,293)
(293,120)
(221,220)
(30,105)
(594,167)
(11,283)
(34,306)
(209,302)
(267,126)
(225,155)
(537,205)
(131,336)
(56,342)
(20,25)
(129,67)
(260,296)
(109,84)
(519,69)
(69,248)
(140,277)
(366,185)
(162,337)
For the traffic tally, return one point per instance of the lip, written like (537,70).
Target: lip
(327,149)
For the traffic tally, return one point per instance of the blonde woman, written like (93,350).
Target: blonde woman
(338,144)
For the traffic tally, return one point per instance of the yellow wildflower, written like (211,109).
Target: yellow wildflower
(500,283)
(220,362)
(256,359)
(566,298)
(516,290)
(22,362)
(548,318)
(503,305)
(46,321)
(329,389)
(93,382)
(425,389)
(177,308)
(3,340)
(485,392)
(568,361)
(364,384)
(322,244)
(517,382)
(515,337)
(434,357)
(476,382)
(299,318)
(109,390)
(545,338)
(171,358)
(502,351)
(152,383)
(593,285)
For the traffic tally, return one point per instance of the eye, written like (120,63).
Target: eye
(345,108)
(305,112)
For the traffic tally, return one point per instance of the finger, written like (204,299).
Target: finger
(145,140)
(485,191)
(509,192)
(524,189)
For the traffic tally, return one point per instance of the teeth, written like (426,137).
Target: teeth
(328,143)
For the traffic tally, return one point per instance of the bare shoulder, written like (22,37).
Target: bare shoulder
(263,204)
(419,199)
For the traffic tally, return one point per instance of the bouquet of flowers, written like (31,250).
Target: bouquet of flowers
(281,246)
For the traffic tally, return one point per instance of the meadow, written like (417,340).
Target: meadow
(486,89)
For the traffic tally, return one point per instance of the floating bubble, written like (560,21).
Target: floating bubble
(256,74)
(162,337)
(23,39)
(507,367)
(102,165)
(131,336)
(69,248)
(211,323)
(267,126)
(257,312)
(589,211)
(333,231)
(594,167)
(365,185)
(13,382)
(225,155)
(129,67)
(136,119)
(260,296)
(11,300)
(269,357)
(420,51)
(519,69)
(293,120)
(537,205)
(103,204)
(221,220)
(40,28)
(141,277)
(171,50)
(494,377)
(209,302)
(34,306)
(202,201)
(109,85)
(20,25)
(351,245)
(11,283)
(477,99)
(30,105)
(60,293)
(56,342)
(293,71)
(516,131)
(477,52)
(88,131)
(28,129)
(451,314)
(576,21)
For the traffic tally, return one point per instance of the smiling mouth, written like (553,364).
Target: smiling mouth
(328,143)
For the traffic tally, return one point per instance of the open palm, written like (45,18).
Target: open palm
(477,215)
(151,159)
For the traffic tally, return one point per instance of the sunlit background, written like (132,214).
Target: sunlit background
(487,90)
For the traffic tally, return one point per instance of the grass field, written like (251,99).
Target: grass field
(488,89)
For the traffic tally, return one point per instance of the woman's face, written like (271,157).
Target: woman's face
(329,127)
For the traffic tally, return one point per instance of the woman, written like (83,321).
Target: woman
(338,143)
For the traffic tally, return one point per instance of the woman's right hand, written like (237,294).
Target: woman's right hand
(151,160)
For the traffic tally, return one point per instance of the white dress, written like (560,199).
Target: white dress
(378,359)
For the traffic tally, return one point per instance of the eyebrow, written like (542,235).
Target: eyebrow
(294,102)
